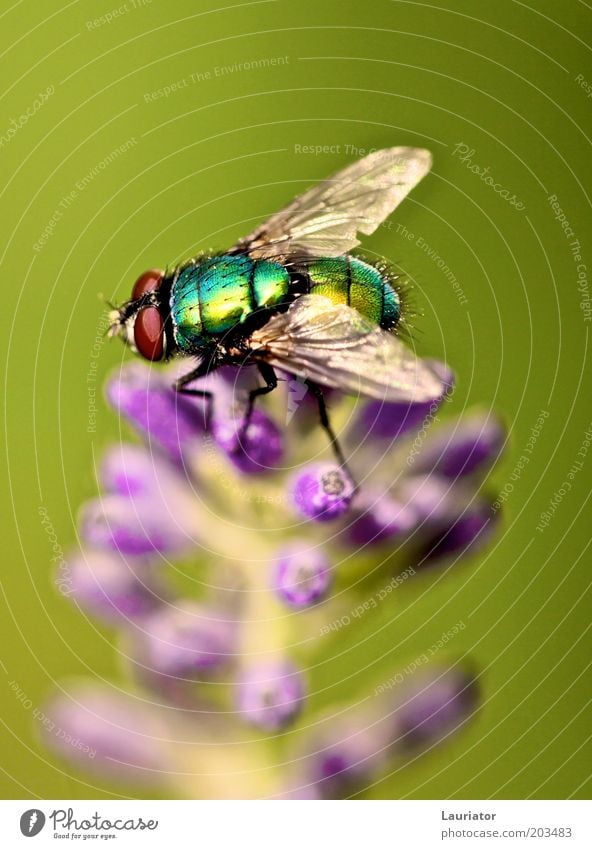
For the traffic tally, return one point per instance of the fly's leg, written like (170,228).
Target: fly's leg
(324,417)
(269,376)
(202,370)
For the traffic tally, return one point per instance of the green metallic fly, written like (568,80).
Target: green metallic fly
(291,296)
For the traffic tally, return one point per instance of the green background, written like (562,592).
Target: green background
(209,161)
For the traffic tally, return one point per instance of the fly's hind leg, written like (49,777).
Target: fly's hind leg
(180,386)
(324,417)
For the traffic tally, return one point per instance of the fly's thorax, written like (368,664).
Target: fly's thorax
(349,280)
(212,296)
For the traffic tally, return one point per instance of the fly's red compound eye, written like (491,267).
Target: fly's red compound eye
(149,333)
(147,282)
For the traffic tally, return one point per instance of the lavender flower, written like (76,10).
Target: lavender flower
(111,588)
(103,731)
(170,419)
(322,492)
(188,638)
(302,575)
(257,449)
(273,545)
(434,706)
(145,509)
(271,694)
(380,517)
(353,750)
(348,753)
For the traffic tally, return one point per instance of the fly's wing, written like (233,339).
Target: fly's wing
(333,345)
(324,220)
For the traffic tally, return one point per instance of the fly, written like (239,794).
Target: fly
(292,296)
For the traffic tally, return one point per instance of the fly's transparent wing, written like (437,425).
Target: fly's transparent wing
(325,220)
(333,345)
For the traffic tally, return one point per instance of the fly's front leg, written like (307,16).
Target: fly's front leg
(203,369)
(326,424)
(269,376)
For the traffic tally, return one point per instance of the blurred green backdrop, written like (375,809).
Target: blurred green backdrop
(154,129)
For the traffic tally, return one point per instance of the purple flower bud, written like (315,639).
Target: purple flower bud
(390,420)
(130,470)
(187,639)
(155,511)
(271,694)
(349,748)
(147,400)
(137,527)
(379,517)
(433,707)
(302,575)
(257,449)
(107,586)
(433,499)
(106,732)
(322,492)
(349,758)
(461,447)
(467,532)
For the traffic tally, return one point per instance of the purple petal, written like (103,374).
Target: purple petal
(147,400)
(271,694)
(391,420)
(434,705)
(186,639)
(107,586)
(258,449)
(462,446)
(380,517)
(302,575)
(322,492)
(105,732)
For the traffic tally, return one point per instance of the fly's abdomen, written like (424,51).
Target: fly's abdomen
(349,280)
(214,295)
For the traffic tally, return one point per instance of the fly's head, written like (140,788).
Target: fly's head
(140,322)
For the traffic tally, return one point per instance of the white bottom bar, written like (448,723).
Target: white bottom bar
(297,825)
